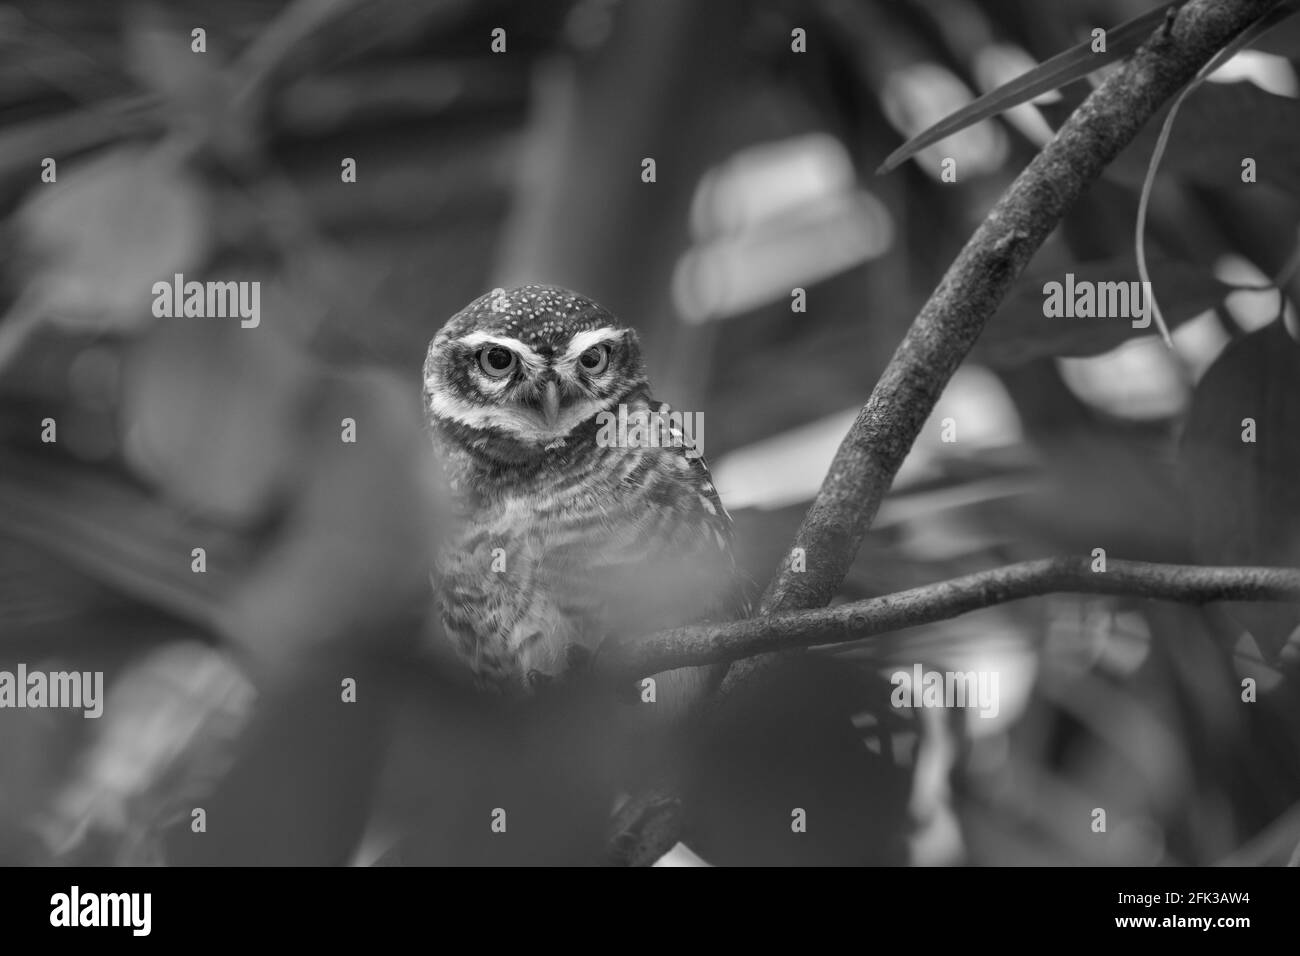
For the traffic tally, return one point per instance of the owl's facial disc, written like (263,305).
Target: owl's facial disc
(534,393)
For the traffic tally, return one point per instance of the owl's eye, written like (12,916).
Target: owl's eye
(497,361)
(595,359)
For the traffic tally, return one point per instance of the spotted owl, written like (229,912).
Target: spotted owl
(569,530)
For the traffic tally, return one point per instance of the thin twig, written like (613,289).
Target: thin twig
(719,643)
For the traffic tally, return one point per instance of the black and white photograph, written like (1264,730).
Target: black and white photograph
(650,433)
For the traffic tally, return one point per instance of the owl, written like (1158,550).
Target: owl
(569,528)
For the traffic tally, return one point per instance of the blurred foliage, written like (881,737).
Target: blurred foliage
(476,170)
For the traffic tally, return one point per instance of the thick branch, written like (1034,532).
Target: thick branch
(975,285)
(709,644)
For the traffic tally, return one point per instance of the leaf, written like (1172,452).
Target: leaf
(1243,39)
(158,54)
(1073,64)
(1078,61)
(1020,332)
(1244,497)
(1218,126)
(171,718)
(212,415)
(1281,40)
(198,95)
(107,529)
(99,238)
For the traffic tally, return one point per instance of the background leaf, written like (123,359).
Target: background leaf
(107,230)
(1020,332)
(1066,67)
(1283,39)
(1218,126)
(1244,497)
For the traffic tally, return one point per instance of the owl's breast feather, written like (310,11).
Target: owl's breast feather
(625,541)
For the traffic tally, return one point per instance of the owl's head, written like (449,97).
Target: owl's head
(530,364)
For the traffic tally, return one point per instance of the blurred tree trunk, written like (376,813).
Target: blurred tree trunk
(583,218)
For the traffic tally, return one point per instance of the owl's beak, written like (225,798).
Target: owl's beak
(551,403)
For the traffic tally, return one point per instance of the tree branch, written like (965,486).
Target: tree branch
(974,286)
(719,643)
(949,323)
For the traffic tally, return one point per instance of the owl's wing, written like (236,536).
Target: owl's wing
(678,568)
(734,599)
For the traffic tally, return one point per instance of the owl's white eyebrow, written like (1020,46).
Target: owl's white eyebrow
(526,354)
(585,340)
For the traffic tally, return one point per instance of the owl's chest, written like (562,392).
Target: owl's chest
(620,541)
(526,574)
(546,534)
